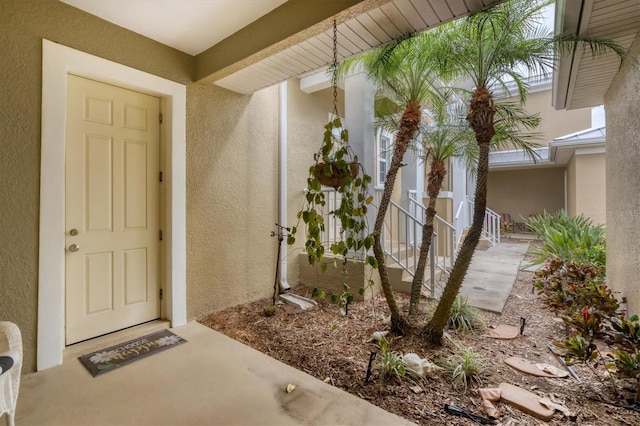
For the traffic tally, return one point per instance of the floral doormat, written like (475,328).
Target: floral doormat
(104,360)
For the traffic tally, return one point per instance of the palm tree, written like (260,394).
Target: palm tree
(405,74)
(490,48)
(446,136)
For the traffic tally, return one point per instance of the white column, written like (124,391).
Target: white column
(359,97)
(412,179)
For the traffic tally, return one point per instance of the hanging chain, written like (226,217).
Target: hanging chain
(334,66)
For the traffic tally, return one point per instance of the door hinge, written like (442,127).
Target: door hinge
(161,294)
(160,118)
(160,176)
(160,234)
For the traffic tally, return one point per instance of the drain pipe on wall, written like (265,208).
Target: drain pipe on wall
(566,192)
(282,176)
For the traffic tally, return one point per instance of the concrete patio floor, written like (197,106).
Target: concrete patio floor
(211,380)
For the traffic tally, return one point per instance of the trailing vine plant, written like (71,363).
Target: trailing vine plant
(336,166)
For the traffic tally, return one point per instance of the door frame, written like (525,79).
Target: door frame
(57,62)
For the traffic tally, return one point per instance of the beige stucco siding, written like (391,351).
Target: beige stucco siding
(590,191)
(521,193)
(555,123)
(232,182)
(23,25)
(232,189)
(622,104)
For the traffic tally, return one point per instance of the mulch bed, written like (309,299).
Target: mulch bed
(336,349)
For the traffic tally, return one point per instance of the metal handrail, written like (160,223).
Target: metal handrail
(491,228)
(398,238)
(456,221)
(444,237)
(332,226)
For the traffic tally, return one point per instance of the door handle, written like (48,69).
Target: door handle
(74,248)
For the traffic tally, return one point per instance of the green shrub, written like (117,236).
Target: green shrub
(573,239)
(464,317)
(466,366)
(269,310)
(539,223)
(567,287)
(621,334)
(390,364)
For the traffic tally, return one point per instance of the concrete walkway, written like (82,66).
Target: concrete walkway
(211,380)
(492,274)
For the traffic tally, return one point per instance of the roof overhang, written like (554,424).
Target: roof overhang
(579,79)
(296,38)
(557,154)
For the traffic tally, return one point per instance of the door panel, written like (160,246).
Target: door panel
(112,201)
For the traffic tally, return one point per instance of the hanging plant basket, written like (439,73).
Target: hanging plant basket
(336,166)
(334,176)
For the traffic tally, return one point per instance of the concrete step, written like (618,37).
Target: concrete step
(400,250)
(401,280)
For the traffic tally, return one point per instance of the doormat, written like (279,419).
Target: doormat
(108,359)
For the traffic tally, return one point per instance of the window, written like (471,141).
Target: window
(384,157)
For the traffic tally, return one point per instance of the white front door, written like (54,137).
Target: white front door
(112,209)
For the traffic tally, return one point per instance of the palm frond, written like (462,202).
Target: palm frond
(571,43)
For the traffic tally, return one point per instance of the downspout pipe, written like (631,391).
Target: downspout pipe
(282,176)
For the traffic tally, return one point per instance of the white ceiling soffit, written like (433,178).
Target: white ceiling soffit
(369,30)
(190,26)
(582,81)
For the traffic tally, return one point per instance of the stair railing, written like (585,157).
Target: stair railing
(332,226)
(442,253)
(396,237)
(491,228)
(458,223)
(443,231)
(399,235)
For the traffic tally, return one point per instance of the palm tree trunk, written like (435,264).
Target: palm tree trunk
(435,178)
(406,131)
(481,120)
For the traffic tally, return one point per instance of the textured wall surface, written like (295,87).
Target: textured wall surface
(591,186)
(23,25)
(525,192)
(622,104)
(555,123)
(232,193)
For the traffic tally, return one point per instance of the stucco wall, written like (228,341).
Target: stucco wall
(307,115)
(232,189)
(524,192)
(591,186)
(555,123)
(23,25)
(622,104)
(232,193)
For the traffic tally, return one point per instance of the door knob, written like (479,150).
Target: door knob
(73,232)
(74,247)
